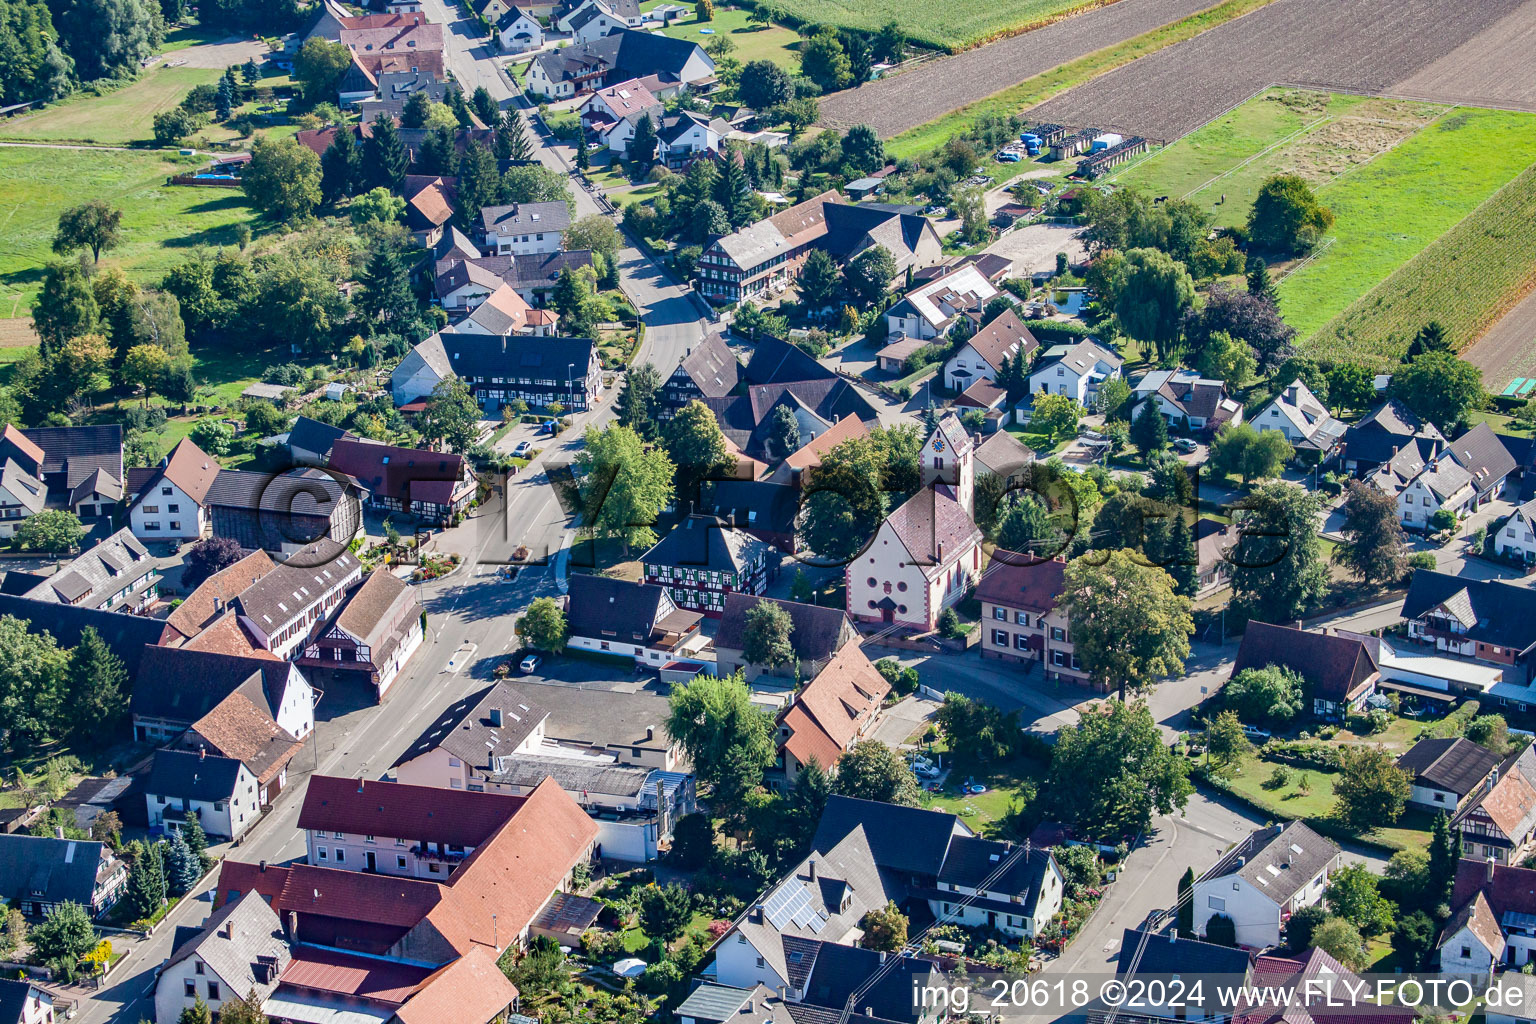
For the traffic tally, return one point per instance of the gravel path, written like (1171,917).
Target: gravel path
(1354,45)
(892,105)
(1508,350)
(1494,68)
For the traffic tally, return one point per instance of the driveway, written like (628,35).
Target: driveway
(1035,247)
(902,719)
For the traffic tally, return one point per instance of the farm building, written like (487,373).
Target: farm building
(1097,164)
(1069,146)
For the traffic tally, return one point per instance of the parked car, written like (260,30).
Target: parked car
(1185,445)
(531,663)
(522,449)
(926,771)
(1253,732)
(935,211)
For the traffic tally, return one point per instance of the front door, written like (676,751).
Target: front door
(887,615)
(372,859)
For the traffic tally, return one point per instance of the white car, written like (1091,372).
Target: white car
(1253,732)
(926,771)
(530,663)
(522,449)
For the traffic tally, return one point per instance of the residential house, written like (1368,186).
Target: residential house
(115,575)
(829,714)
(1383,433)
(518,32)
(747,420)
(190,684)
(215,596)
(1273,997)
(776,361)
(524,227)
(126,636)
(1480,452)
(1441,484)
(463,745)
(799,466)
(388,43)
(1485,620)
(432,485)
(1301,419)
(167,501)
(1444,772)
(1020,619)
(429,206)
(630,620)
(501,314)
(463,280)
(1213,542)
(239,729)
(22,496)
(372,634)
(240,949)
(709,370)
(1189,402)
(498,370)
(1005,457)
(219,791)
(286,606)
(80,467)
(618,57)
(710,1003)
(592,22)
(766,509)
(1523,995)
(1074,370)
(988,398)
(487,903)
(931,309)
(310,441)
(1517,537)
(1499,822)
(816,633)
(37,873)
(685,135)
(395,90)
(1489,927)
(618,14)
(323,981)
(1152,955)
(1340,671)
(611,113)
(283,513)
(981,356)
(702,561)
(22,1002)
(1263,880)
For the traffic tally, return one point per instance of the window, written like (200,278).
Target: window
(338,835)
(454,762)
(175,524)
(399,842)
(1057,633)
(400,861)
(1001,614)
(213,990)
(1439,798)
(369,839)
(165,490)
(341,855)
(151,510)
(322,852)
(198,967)
(1000,637)
(1215,903)
(1021,642)
(1466,952)
(189,988)
(218,805)
(173,508)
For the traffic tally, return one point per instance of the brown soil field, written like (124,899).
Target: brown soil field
(892,105)
(1495,68)
(1508,350)
(17,333)
(1354,46)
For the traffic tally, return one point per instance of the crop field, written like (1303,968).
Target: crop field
(1361,46)
(160,222)
(954,25)
(114,119)
(1494,68)
(1467,279)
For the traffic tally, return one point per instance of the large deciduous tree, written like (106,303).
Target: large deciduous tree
(640,400)
(870,770)
(728,738)
(206,557)
(319,65)
(1248,318)
(625,483)
(1441,388)
(763,84)
(766,641)
(282,178)
(844,503)
(1128,626)
(543,626)
(1277,563)
(451,415)
(1377,551)
(869,274)
(1154,291)
(697,448)
(1286,216)
(95,225)
(1112,771)
(1370,790)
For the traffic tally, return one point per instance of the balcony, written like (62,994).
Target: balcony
(421,852)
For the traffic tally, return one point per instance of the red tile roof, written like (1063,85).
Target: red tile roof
(1017,580)
(829,712)
(1512,888)
(23,443)
(934,528)
(471,990)
(360,977)
(189,468)
(420,813)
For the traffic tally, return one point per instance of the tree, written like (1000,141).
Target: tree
(485,106)
(1303,922)
(870,770)
(845,502)
(282,178)
(244,1009)
(1172,546)
(1186,916)
(1055,416)
(1154,291)
(665,911)
(33,680)
(1225,740)
(94,225)
(437,154)
(1377,551)
(65,309)
(543,626)
(594,232)
(1277,564)
(97,686)
(697,448)
(1259,284)
(885,928)
(1024,524)
(341,165)
(979,731)
(1252,454)
(1245,317)
(1490,731)
(1128,626)
(196,839)
(1370,789)
(863,152)
(1286,216)
(53,530)
(1413,936)
(783,432)
(1351,386)
(693,841)
(479,183)
(820,281)
(708,220)
(516,134)
(1149,431)
(1227,359)
(386,298)
(64,936)
(766,639)
(462,116)
(1221,930)
(414,115)
(1341,940)
(727,737)
(625,484)
(574,299)
(451,415)
(377,205)
(890,43)
(638,402)
(642,147)
(1352,894)
(869,274)
(1111,772)
(1440,873)
(206,557)
(212,436)
(1431,338)
(181,867)
(319,65)
(1441,388)
(146,882)
(1271,694)
(763,84)
(384,156)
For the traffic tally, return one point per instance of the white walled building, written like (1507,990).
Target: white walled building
(524,227)
(240,949)
(1074,370)
(169,504)
(220,791)
(1262,880)
(1517,539)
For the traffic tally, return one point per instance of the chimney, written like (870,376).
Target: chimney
(757,908)
(58,832)
(291,926)
(496,717)
(262,867)
(650,732)
(810,864)
(1491,863)
(941,551)
(202,753)
(1173,936)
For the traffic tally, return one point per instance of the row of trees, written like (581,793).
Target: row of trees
(50,692)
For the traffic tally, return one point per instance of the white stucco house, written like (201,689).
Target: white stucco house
(1074,370)
(1301,418)
(1517,539)
(1441,484)
(239,949)
(220,791)
(931,309)
(169,504)
(616,13)
(519,32)
(1262,880)
(522,228)
(635,620)
(981,356)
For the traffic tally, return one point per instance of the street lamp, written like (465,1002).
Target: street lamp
(570,381)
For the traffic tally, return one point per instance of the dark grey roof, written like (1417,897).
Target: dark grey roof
(313,436)
(815,632)
(775,361)
(1167,954)
(1501,613)
(1278,860)
(297,583)
(1480,452)
(849,226)
(98,573)
(13,999)
(1454,764)
(298,492)
(188,684)
(1386,429)
(747,420)
(755,504)
(181,773)
(464,728)
(572,775)
(76,451)
(27,489)
(840,971)
(1335,666)
(126,635)
(473,355)
(530,217)
(242,942)
(711,1002)
(537,270)
(703,542)
(904,839)
(971,859)
(712,366)
(48,869)
(602,606)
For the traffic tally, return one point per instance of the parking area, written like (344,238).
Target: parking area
(1034,248)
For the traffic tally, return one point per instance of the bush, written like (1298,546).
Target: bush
(1422,560)
(1278,779)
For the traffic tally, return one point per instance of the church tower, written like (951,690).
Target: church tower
(949,457)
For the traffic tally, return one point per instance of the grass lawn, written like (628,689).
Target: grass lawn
(1497,422)
(190,33)
(117,118)
(160,222)
(1038,89)
(643,194)
(1390,209)
(1009,783)
(753,42)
